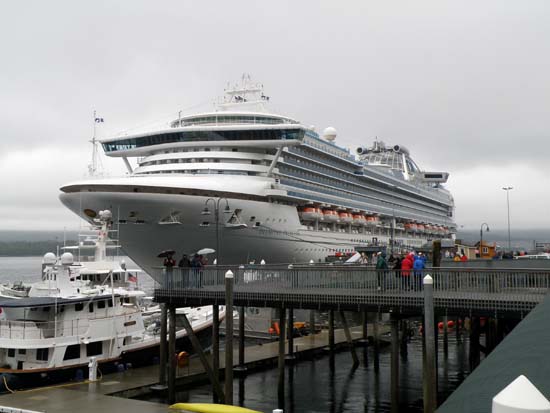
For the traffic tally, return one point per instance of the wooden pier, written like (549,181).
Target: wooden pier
(114,391)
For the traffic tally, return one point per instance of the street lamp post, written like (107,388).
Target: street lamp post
(481,238)
(206,211)
(508,189)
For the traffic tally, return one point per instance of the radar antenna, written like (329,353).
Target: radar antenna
(96,167)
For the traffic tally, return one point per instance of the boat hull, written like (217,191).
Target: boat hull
(279,237)
(14,380)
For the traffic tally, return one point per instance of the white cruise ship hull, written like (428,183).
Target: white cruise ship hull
(279,237)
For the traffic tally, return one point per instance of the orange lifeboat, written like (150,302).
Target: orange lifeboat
(310,214)
(372,220)
(408,226)
(330,215)
(359,219)
(420,228)
(345,217)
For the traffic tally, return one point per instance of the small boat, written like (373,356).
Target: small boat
(210,408)
(359,219)
(76,312)
(310,213)
(345,217)
(330,215)
(372,220)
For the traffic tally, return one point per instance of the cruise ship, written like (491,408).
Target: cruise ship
(256,185)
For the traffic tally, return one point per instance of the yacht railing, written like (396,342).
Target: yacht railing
(40,330)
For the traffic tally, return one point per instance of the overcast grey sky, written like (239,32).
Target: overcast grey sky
(464,85)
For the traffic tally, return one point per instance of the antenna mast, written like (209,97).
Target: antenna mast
(95,168)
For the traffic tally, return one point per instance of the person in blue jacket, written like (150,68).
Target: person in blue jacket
(418,266)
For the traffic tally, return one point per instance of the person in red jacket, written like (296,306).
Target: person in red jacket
(406,267)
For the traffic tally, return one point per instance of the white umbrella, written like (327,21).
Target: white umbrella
(205,251)
(354,258)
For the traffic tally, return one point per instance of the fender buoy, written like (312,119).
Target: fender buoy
(450,324)
(440,325)
(183,359)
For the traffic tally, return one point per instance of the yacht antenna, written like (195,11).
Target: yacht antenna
(95,168)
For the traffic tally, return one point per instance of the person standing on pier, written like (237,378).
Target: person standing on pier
(406,267)
(418,267)
(381,269)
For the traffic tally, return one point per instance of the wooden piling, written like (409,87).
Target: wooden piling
(349,339)
(229,338)
(163,344)
(445,336)
(376,338)
(281,360)
(172,355)
(290,335)
(394,363)
(215,348)
(430,399)
(241,367)
(214,378)
(331,331)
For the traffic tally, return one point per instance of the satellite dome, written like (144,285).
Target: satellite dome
(49,258)
(67,259)
(106,214)
(329,134)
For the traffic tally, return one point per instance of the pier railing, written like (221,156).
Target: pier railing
(514,290)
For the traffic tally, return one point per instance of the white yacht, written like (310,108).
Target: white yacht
(280,191)
(50,329)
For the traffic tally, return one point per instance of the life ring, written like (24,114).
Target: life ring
(183,359)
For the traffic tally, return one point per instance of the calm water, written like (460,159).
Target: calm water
(315,385)
(321,386)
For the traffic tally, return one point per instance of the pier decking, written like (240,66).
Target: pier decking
(355,288)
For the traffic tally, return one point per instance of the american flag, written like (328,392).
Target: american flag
(132,278)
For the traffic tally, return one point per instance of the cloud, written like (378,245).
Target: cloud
(464,86)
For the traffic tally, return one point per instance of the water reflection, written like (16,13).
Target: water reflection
(330,384)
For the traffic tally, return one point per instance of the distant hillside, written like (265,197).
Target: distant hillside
(34,236)
(30,248)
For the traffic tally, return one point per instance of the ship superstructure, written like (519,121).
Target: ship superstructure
(287,193)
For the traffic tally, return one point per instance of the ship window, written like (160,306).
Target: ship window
(110,302)
(101,304)
(78,307)
(22,351)
(94,349)
(42,354)
(46,309)
(11,352)
(72,352)
(91,308)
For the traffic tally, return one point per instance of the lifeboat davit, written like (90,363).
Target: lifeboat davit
(345,217)
(310,214)
(359,219)
(330,215)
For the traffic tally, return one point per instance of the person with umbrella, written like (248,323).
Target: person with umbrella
(169,263)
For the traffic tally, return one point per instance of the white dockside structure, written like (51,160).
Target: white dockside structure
(288,194)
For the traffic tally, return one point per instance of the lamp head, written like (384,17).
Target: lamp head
(205,211)
(227,210)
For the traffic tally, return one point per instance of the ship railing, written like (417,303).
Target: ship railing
(39,330)
(514,289)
